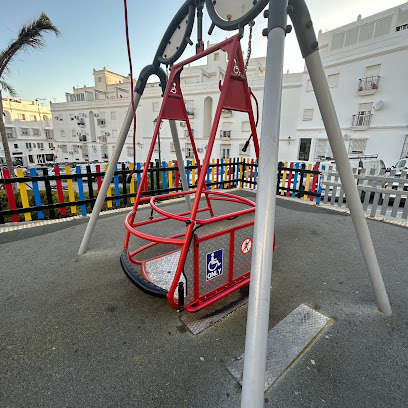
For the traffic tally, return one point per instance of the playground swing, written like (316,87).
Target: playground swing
(211,256)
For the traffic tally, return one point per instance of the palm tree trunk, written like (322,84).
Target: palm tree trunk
(7,154)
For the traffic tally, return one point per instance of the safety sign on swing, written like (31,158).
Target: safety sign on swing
(214,264)
(246,245)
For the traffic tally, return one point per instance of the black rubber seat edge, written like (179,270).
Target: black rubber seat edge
(137,279)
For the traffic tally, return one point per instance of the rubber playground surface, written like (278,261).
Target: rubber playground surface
(75,331)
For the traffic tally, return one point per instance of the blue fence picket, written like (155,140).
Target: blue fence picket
(116,183)
(81,190)
(188,173)
(139,176)
(295,179)
(319,190)
(164,165)
(37,196)
(255,174)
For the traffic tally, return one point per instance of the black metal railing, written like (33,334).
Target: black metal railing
(370,83)
(362,120)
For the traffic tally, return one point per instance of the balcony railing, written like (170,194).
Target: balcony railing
(361,120)
(369,84)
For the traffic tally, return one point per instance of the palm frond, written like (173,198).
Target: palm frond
(31,36)
(7,87)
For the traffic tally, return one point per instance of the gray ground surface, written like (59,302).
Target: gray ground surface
(76,333)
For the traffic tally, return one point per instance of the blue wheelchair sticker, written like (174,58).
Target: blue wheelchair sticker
(214,264)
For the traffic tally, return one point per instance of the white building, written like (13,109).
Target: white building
(365,63)
(29,132)
(366,66)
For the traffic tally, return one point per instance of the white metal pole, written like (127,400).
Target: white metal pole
(180,161)
(108,176)
(261,267)
(331,123)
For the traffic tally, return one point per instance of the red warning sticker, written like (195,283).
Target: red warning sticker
(246,245)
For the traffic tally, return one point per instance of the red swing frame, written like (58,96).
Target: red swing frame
(234,96)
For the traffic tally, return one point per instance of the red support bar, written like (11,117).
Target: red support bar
(59,190)
(10,196)
(288,193)
(99,179)
(229,173)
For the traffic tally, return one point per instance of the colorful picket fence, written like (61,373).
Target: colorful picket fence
(59,192)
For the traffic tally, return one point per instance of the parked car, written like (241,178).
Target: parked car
(395,186)
(400,165)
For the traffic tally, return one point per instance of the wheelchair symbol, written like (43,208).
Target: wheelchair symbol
(213,264)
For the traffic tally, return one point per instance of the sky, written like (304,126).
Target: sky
(93,36)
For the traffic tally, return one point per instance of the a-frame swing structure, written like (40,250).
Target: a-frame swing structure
(212,258)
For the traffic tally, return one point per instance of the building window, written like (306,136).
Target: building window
(34,118)
(75,148)
(28,146)
(190,107)
(357,146)
(308,114)
(21,116)
(172,149)
(114,133)
(36,132)
(51,145)
(49,134)
(64,149)
(225,151)
(113,115)
(62,133)
(245,126)
(333,80)
(40,145)
(10,133)
(129,151)
(16,145)
(309,86)
(323,150)
(45,117)
(189,151)
(216,56)
(25,131)
(225,134)
(156,106)
(304,149)
(30,158)
(100,122)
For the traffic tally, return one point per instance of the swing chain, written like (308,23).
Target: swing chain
(251,25)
